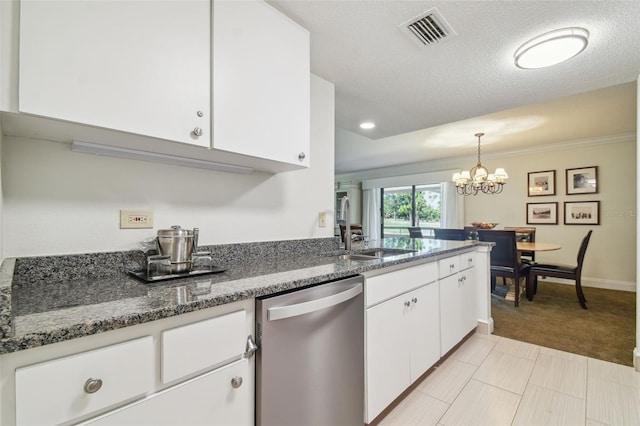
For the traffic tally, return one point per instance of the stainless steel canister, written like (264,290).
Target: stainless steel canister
(179,244)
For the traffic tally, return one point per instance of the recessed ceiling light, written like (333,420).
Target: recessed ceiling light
(367,125)
(551,48)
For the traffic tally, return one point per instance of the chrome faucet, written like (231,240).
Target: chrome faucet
(344,215)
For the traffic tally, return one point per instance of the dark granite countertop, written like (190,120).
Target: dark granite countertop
(49,299)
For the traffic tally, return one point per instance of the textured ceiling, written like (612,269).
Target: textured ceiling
(382,75)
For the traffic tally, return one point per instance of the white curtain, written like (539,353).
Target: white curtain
(452,213)
(371,213)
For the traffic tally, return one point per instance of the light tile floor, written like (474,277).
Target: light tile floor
(493,380)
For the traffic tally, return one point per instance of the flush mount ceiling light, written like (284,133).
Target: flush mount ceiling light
(478,179)
(367,125)
(551,48)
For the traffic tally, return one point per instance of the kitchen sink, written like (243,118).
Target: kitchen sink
(374,254)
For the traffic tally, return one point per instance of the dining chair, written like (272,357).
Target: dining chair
(449,234)
(568,272)
(504,259)
(415,232)
(528,234)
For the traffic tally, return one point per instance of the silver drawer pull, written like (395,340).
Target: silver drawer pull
(414,300)
(92,385)
(236,382)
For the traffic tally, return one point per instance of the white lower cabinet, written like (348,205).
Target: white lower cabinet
(402,344)
(56,391)
(201,345)
(458,314)
(424,329)
(402,335)
(185,370)
(414,316)
(221,397)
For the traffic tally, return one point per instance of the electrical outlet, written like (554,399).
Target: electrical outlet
(322,220)
(136,219)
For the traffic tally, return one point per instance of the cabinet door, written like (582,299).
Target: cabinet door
(387,354)
(210,399)
(424,329)
(469,311)
(59,390)
(142,67)
(450,313)
(261,82)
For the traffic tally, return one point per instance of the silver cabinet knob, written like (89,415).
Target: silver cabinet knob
(407,303)
(414,300)
(92,385)
(200,113)
(198,131)
(236,382)
(301,156)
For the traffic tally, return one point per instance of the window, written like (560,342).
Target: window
(405,206)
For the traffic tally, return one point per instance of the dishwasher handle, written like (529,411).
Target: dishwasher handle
(288,311)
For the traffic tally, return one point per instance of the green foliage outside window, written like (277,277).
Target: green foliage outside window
(398,206)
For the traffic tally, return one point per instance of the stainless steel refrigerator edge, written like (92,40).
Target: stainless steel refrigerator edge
(310,365)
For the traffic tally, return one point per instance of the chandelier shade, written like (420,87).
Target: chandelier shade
(478,179)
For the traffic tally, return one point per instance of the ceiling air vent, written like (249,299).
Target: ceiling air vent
(429,27)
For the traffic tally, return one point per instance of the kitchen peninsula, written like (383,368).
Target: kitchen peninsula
(62,312)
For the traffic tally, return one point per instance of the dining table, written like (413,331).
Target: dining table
(535,246)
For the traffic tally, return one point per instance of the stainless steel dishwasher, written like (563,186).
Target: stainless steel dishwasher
(310,365)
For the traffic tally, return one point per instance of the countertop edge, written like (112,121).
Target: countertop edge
(241,289)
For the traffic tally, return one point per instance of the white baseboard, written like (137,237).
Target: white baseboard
(599,283)
(485,327)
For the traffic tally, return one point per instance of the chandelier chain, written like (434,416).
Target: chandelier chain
(479,135)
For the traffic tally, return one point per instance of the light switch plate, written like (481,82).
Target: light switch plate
(136,219)
(322,220)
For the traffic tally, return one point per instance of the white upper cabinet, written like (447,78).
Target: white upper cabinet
(141,67)
(229,80)
(261,82)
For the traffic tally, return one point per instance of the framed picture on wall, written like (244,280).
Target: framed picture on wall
(582,181)
(582,213)
(541,183)
(542,213)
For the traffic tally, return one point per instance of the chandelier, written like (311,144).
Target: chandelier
(478,179)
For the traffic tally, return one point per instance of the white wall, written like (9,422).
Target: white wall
(611,257)
(636,351)
(59,202)
(1,203)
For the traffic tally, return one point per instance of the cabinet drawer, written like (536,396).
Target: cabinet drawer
(448,266)
(194,347)
(220,397)
(53,392)
(467,260)
(386,286)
